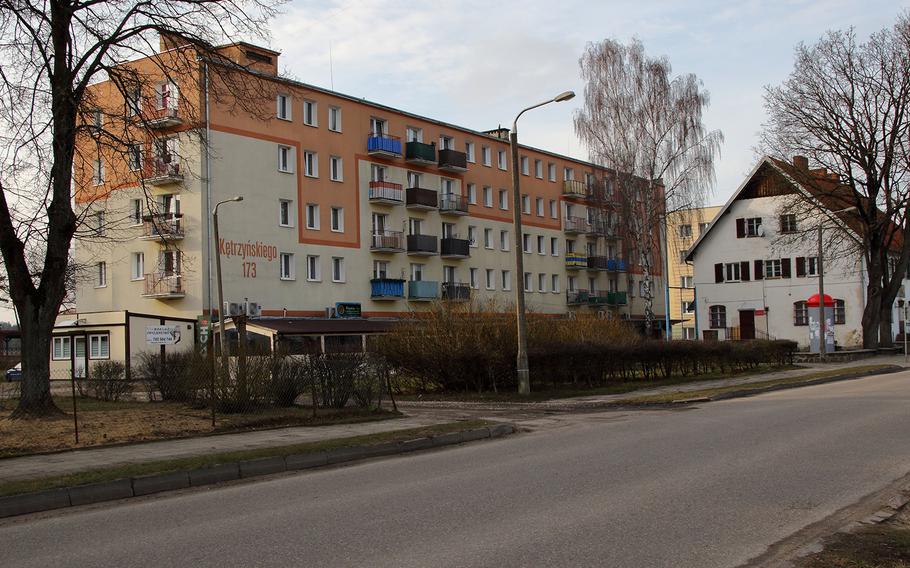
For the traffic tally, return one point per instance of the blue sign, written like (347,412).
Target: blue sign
(347,310)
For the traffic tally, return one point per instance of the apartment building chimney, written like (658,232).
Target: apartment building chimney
(801,163)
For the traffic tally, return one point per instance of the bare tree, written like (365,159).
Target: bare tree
(846,107)
(54,53)
(645,125)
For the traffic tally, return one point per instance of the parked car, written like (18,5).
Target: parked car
(14,374)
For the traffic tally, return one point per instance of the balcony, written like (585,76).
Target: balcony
(383,145)
(162,118)
(599,227)
(575,188)
(616,265)
(576,297)
(386,193)
(420,153)
(387,241)
(575,225)
(598,298)
(422,245)
(617,299)
(575,261)
(386,289)
(162,227)
(456,291)
(598,263)
(453,247)
(421,198)
(163,171)
(453,160)
(422,290)
(163,286)
(451,204)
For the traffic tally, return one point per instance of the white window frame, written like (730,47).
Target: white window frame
(538,168)
(472,236)
(62,349)
(310,163)
(541,245)
(554,283)
(98,171)
(731,268)
(137,266)
(504,199)
(288,112)
(487,196)
(134,157)
(472,278)
(472,193)
(486,156)
(551,171)
(336,111)
(490,279)
(528,281)
(136,210)
(469,151)
(101,274)
(338,273)
(336,168)
(504,244)
(526,243)
(525,166)
(542,283)
(773,268)
(538,202)
(312,216)
(310,107)
(285,159)
(554,246)
(526,204)
(336,214)
(313,272)
(502,161)
(289,204)
(290,274)
(506,280)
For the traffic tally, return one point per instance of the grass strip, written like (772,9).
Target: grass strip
(208,460)
(880,546)
(748,387)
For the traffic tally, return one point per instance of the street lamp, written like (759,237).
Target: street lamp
(524,382)
(822,346)
(221,333)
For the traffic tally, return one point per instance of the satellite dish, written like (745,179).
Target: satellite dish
(761,231)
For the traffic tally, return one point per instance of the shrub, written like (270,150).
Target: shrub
(179,377)
(106,382)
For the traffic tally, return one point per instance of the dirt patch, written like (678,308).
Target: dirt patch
(885,545)
(112,423)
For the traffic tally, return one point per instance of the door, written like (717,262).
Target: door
(79,357)
(747,324)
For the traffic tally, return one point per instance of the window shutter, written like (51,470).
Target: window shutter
(759,269)
(719,272)
(785,268)
(740,228)
(744,270)
(800,266)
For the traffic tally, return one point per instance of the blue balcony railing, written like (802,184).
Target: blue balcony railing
(384,144)
(386,288)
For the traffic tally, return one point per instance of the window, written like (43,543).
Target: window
(487,196)
(750,227)
(812,266)
(788,223)
(504,240)
(840,312)
(337,269)
(283,104)
(506,278)
(472,236)
(702,227)
(503,164)
(98,223)
(448,274)
(688,333)
(554,283)
(472,194)
(309,113)
(718,317)
(413,134)
(504,199)
(551,171)
(568,174)
(488,238)
(489,279)
(380,269)
(312,216)
(541,245)
(800,313)
(472,275)
(377,173)
(285,159)
(446,186)
(285,213)
(538,169)
(310,164)
(62,347)
(337,219)
(416,272)
(134,157)
(773,268)
(446,142)
(133,100)
(336,168)
(136,211)
(554,246)
(485,155)
(528,284)
(731,271)
(554,211)
(137,266)
(98,171)
(685,231)
(526,242)
(685,281)
(286,266)
(166,95)
(687,306)
(526,204)
(414,179)
(335,119)
(469,151)
(100,274)
(525,169)
(541,283)
(572,283)
(682,256)
(539,205)
(312,268)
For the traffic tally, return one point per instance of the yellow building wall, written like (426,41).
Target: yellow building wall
(678,243)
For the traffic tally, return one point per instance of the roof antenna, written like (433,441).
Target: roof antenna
(331,71)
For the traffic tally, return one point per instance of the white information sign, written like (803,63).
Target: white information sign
(162,334)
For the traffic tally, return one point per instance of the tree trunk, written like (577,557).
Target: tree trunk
(35,399)
(885,337)
(871,314)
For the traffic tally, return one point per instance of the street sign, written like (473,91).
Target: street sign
(204,328)
(162,334)
(348,310)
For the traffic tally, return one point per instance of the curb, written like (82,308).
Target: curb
(14,505)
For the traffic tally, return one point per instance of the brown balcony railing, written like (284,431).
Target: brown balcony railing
(163,285)
(456,291)
(387,241)
(422,244)
(454,247)
(386,192)
(597,263)
(453,160)
(164,226)
(421,198)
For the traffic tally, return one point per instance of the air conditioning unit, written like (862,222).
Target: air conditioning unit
(233,309)
(253,309)
(330,312)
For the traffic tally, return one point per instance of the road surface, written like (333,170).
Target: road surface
(710,486)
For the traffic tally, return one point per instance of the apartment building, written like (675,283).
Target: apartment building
(683,229)
(756,264)
(345,201)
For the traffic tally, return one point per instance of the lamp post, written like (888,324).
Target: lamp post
(822,324)
(221,334)
(524,382)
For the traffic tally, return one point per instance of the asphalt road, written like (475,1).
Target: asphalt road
(712,486)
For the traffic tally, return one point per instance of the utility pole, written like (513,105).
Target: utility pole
(822,347)
(221,334)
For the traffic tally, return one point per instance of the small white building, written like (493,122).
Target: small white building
(757,264)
